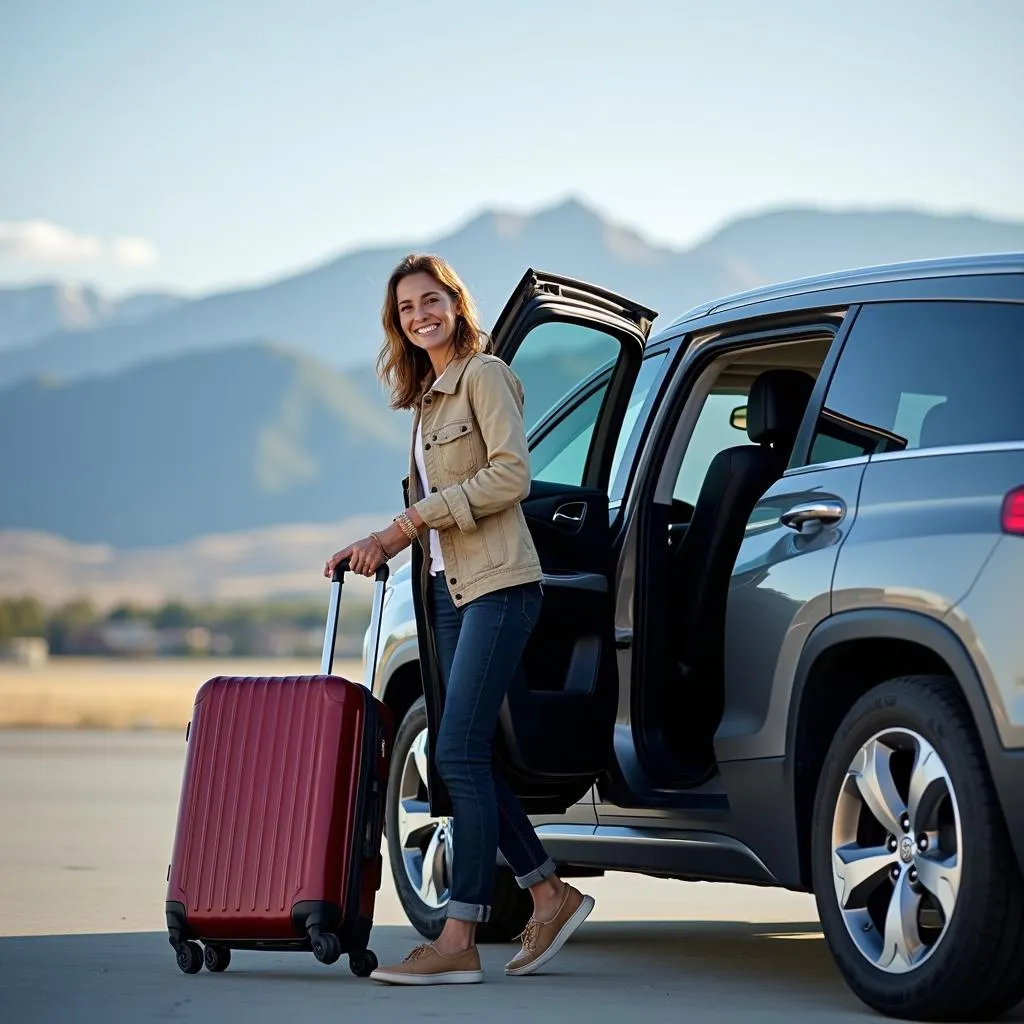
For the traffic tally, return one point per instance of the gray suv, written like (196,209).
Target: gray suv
(780,644)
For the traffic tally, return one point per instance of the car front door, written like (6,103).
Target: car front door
(555,728)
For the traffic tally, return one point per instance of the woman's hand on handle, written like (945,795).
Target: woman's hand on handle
(332,563)
(365,557)
(368,555)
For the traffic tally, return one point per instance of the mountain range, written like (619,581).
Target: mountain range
(158,419)
(332,312)
(28,314)
(208,442)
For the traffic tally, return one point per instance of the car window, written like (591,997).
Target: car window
(554,359)
(561,455)
(713,433)
(925,375)
(639,402)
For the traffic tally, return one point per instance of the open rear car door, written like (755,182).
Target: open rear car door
(555,729)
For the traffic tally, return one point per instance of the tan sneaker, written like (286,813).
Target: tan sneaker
(543,939)
(426,965)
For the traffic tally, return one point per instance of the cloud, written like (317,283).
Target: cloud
(42,241)
(132,252)
(46,242)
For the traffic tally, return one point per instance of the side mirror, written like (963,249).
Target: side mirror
(738,417)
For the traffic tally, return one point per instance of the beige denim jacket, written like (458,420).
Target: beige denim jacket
(478,465)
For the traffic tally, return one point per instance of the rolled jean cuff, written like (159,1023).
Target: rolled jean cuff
(474,912)
(546,870)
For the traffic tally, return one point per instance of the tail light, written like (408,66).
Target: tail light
(1013,512)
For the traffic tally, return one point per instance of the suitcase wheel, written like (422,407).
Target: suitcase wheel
(327,947)
(217,958)
(362,964)
(190,957)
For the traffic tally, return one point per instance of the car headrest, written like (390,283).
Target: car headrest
(776,405)
(940,424)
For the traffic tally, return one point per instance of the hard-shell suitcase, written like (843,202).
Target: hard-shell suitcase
(278,839)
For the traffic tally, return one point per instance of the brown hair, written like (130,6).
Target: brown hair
(402,366)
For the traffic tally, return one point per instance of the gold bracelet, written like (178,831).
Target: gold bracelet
(384,551)
(405,524)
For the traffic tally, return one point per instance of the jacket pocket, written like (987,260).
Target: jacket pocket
(454,443)
(483,549)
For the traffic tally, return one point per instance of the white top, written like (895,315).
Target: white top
(436,559)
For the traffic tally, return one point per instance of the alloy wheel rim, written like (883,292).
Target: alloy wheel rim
(425,841)
(897,850)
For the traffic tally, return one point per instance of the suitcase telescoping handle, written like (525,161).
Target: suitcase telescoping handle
(331,632)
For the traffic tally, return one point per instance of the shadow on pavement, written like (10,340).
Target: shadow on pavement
(643,970)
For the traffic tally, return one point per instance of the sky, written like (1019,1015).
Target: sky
(195,146)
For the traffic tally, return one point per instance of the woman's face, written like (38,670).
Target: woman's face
(426,311)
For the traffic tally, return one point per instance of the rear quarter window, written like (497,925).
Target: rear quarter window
(925,375)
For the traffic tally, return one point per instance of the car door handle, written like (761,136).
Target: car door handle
(571,514)
(813,514)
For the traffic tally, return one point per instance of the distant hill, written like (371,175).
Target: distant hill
(226,440)
(237,438)
(155,420)
(27,314)
(332,312)
(243,566)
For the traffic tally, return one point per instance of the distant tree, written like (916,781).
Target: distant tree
(22,616)
(125,612)
(77,613)
(68,622)
(174,615)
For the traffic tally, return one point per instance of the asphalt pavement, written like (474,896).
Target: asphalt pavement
(86,827)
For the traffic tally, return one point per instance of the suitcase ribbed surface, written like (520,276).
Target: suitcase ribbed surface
(267,801)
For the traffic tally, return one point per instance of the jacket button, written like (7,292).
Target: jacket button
(458,597)
(453,580)
(433,490)
(433,437)
(464,429)
(427,401)
(426,447)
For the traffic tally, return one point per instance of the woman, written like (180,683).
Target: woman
(469,471)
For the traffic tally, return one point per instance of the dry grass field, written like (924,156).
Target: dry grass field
(102,693)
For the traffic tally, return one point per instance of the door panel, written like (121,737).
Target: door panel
(779,591)
(559,713)
(569,526)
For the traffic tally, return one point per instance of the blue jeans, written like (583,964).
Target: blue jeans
(480,648)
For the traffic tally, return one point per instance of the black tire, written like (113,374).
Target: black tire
(327,948)
(975,970)
(217,958)
(189,956)
(512,906)
(362,965)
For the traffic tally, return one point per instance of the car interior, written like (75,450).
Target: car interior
(732,441)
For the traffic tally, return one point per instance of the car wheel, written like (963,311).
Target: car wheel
(918,891)
(420,846)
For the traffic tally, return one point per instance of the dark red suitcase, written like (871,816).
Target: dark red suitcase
(278,840)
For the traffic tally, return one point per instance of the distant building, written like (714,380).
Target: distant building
(32,651)
(129,636)
(284,641)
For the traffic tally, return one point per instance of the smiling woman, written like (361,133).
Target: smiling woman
(427,310)
(480,597)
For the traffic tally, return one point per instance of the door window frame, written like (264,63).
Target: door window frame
(698,355)
(799,459)
(654,485)
(623,374)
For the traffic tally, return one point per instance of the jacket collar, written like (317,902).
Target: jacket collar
(448,382)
